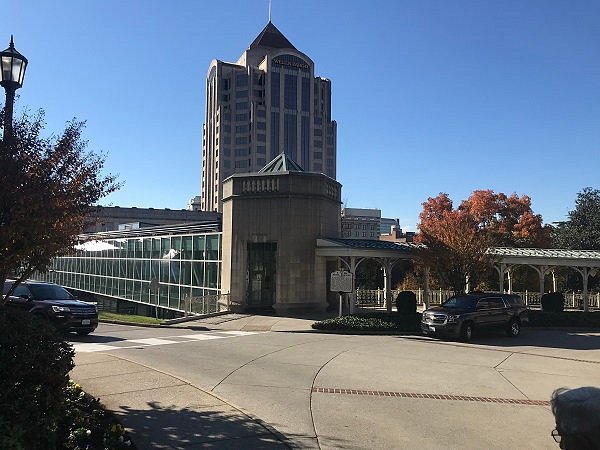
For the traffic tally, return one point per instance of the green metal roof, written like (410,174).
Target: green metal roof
(373,244)
(545,253)
(281,163)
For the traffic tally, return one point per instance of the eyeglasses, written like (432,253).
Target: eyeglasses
(556,436)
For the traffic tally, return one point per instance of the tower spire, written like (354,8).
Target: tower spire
(269,10)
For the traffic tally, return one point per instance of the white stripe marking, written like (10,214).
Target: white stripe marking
(86,347)
(152,341)
(200,337)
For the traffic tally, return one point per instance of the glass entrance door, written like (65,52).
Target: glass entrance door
(262,271)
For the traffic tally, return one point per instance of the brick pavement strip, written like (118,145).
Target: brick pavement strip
(467,398)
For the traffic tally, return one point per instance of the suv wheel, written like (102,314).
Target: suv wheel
(514,328)
(466,331)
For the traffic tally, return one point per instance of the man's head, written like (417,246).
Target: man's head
(577,416)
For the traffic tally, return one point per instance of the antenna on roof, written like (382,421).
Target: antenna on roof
(269,10)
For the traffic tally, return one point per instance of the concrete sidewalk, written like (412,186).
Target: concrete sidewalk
(163,411)
(254,322)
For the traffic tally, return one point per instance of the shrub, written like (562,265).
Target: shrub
(406,303)
(34,363)
(371,322)
(577,319)
(553,302)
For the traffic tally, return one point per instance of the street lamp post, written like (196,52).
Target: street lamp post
(12,73)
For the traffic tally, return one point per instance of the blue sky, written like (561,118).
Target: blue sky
(439,96)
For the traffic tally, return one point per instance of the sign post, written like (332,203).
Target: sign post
(341,282)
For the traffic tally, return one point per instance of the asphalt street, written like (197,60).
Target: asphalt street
(244,387)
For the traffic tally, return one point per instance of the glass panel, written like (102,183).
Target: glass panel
(212,247)
(138,248)
(129,289)
(176,245)
(174,271)
(137,269)
(165,248)
(198,274)
(199,242)
(146,248)
(163,296)
(16,70)
(212,270)
(186,273)
(186,247)
(129,245)
(164,271)
(129,271)
(174,297)
(156,248)
(197,292)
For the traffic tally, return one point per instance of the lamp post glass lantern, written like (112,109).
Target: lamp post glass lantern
(12,73)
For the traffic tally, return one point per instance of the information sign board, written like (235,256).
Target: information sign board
(341,281)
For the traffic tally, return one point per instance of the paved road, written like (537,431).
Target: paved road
(309,390)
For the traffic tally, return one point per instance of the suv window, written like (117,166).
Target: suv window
(496,302)
(49,292)
(21,290)
(514,300)
(459,302)
(484,303)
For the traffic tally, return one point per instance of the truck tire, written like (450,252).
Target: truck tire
(466,331)
(514,328)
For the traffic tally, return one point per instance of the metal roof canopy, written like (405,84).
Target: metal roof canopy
(586,262)
(547,256)
(352,252)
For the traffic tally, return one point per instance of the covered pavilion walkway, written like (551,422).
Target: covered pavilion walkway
(350,253)
(543,261)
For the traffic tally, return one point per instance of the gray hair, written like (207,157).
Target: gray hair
(577,411)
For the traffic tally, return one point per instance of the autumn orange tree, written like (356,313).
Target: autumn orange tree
(457,238)
(47,186)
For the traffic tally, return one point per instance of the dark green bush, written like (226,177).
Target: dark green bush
(371,322)
(34,363)
(406,303)
(553,302)
(564,319)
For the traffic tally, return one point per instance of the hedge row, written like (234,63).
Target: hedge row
(383,322)
(371,322)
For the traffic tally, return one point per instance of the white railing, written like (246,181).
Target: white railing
(376,298)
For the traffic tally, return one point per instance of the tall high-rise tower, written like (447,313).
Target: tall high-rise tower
(268,102)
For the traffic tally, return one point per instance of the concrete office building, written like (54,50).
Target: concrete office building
(361,223)
(268,102)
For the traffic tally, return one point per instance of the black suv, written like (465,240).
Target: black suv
(54,303)
(460,315)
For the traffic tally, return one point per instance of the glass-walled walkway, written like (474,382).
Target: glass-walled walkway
(146,267)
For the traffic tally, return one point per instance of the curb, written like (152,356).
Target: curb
(152,325)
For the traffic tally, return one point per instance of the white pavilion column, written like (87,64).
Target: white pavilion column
(542,273)
(352,295)
(500,270)
(508,274)
(387,283)
(426,289)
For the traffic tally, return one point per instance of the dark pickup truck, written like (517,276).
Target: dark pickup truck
(460,315)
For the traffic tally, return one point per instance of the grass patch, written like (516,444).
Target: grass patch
(371,322)
(105,315)
(577,319)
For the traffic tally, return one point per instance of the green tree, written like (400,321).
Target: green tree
(582,230)
(47,187)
